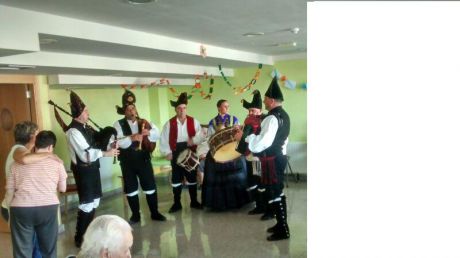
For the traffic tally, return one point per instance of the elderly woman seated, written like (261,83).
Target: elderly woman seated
(107,236)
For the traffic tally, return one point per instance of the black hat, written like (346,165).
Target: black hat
(127,99)
(76,105)
(274,90)
(182,99)
(256,101)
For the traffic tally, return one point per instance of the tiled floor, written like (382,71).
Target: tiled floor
(197,233)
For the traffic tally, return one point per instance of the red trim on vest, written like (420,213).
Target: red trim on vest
(173,131)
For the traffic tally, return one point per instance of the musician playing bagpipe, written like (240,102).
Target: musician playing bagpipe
(86,147)
(135,157)
(270,147)
(255,188)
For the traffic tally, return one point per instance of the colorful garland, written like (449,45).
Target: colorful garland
(159,82)
(197,87)
(223,76)
(240,89)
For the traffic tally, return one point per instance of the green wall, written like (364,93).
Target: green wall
(295,100)
(153,103)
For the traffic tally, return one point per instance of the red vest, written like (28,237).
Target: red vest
(173,131)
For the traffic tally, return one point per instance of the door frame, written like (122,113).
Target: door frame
(34,81)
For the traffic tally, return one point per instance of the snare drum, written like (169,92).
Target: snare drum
(188,160)
(222,145)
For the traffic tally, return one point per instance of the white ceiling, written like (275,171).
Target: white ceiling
(159,39)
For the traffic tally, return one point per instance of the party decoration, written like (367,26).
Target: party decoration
(239,90)
(223,76)
(290,84)
(304,86)
(198,87)
(203,51)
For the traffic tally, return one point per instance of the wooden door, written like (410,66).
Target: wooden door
(15,106)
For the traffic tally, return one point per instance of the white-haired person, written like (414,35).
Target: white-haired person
(107,236)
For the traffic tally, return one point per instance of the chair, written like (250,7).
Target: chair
(288,171)
(71,189)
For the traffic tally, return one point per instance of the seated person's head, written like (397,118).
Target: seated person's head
(45,141)
(107,236)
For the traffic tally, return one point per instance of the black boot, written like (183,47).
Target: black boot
(177,205)
(152,201)
(83,221)
(260,205)
(268,213)
(272,229)
(193,197)
(133,202)
(282,230)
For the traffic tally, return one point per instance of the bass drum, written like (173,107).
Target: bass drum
(222,146)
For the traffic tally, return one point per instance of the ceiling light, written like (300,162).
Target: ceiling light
(253,34)
(47,41)
(284,44)
(16,67)
(136,2)
(294,30)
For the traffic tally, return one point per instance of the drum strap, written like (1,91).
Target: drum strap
(268,170)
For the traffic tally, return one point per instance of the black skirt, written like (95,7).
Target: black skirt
(88,181)
(224,184)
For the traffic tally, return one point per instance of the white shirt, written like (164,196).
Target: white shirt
(126,142)
(77,145)
(259,143)
(8,163)
(182,135)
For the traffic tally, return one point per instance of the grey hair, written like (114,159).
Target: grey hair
(24,131)
(105,233)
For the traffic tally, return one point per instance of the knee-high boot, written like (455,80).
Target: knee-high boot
(176,205)
(283,202)
(133,202)
(83,221)
(152,201)
(260,204)
(282,230)
(268,212)
(192,190)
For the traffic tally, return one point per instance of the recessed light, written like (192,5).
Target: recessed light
(253,34)
(47,41)
(16,67)
(294,30)
(136,2)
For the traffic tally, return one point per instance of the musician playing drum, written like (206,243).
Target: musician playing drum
(224,183)
(256,190)
(85,164)
(180,133)
(135,157)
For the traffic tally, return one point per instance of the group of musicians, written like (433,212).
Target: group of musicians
(262,141)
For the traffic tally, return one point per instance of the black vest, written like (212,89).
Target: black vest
(88,133)
(133,148)
(282,134)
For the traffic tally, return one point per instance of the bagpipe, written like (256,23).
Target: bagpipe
(251,126)
(145,144)
(101,137)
